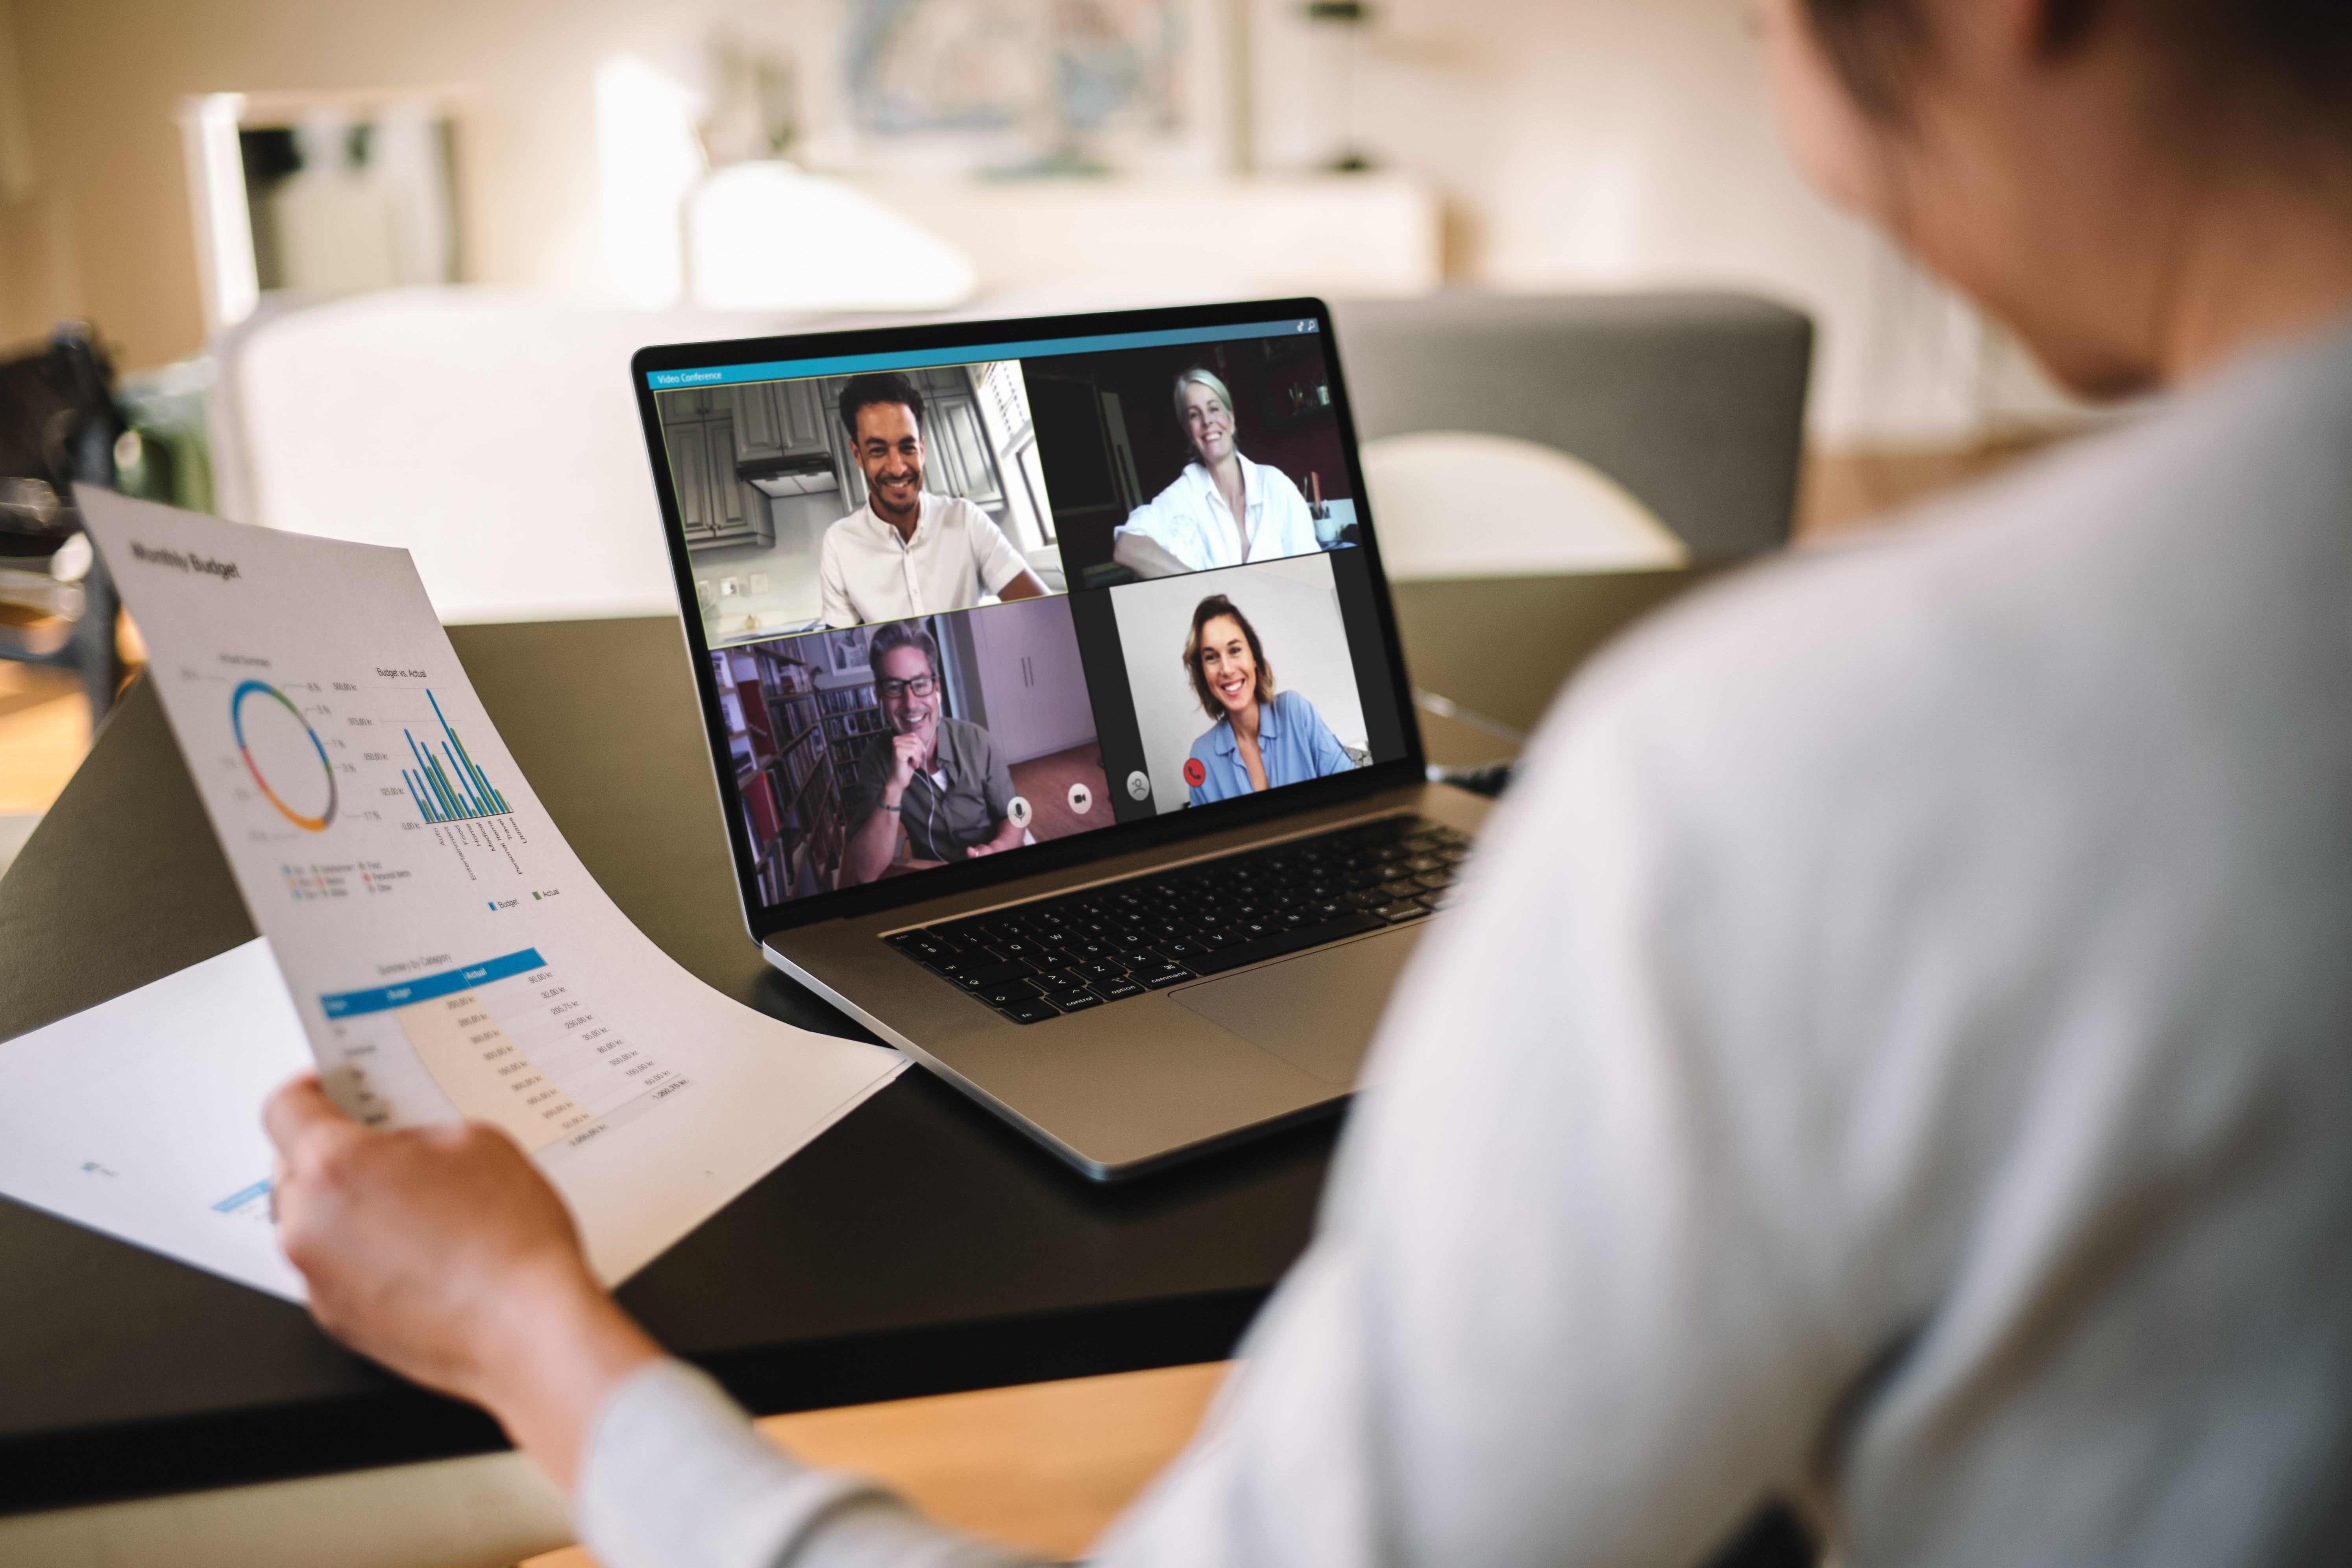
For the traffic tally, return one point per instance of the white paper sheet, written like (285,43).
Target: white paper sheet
(447,955)
(142,1117)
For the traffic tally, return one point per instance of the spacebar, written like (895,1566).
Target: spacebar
(1282,942)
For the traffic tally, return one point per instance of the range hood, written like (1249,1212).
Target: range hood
(801,474)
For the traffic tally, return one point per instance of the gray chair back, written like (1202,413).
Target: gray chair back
(1695,402)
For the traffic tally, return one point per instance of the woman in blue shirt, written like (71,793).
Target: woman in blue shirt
(1261,738)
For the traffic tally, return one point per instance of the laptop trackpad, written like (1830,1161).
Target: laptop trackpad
(1317,1011)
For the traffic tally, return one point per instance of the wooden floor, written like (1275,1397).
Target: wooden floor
(1044,783)
(1043,1469)
(44,731)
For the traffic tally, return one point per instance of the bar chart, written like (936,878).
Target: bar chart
(448,787)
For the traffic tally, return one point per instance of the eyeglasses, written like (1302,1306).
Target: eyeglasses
(921,686)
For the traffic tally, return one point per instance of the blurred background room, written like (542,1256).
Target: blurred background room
(374,271)
(289,225)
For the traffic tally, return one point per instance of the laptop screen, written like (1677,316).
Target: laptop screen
(960,602)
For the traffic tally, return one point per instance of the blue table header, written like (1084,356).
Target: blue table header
(350,1003)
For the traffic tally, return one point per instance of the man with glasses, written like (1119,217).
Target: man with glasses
(938,778)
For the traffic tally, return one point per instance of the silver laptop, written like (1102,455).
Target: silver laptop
(1056,708)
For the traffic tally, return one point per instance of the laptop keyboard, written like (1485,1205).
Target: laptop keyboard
(1038,960)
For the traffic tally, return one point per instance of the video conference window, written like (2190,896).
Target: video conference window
(850,499)
(884,561)
(1242,680)
(875,751)
(1189,458)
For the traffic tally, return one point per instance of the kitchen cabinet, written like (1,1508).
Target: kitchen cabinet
(715,506)
(780,419)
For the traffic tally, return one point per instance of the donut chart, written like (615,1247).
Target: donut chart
(280,749)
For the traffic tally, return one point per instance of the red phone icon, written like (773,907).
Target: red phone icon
(1194,774)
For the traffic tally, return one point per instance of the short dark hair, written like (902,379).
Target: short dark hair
(898,635)
(2294,56)
(877,387)
(1208,610)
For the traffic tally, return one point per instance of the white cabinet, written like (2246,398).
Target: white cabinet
(1032,683)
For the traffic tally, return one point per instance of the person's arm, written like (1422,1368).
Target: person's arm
(874,841)
(1007,837)
(835,580)
(871,847)
(996,792)
(1146,557)
(442,1253)
(1002,570)
(1026,585)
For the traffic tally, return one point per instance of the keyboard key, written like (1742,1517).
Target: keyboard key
(1282,943)
(1153,978)
(993,974)
(1403,887)
(1035,1010)
(1076,1001)
(1435,881)
(1095,973)
(1403,911)
(1006,992)
(1117,990)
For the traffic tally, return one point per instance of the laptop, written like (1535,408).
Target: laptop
(1056,708)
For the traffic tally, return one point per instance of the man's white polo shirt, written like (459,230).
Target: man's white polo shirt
(958,553)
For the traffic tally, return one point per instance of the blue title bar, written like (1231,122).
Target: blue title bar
(350,1003)
(919,359)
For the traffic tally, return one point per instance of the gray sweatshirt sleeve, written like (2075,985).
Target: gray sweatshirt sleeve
(675,1478)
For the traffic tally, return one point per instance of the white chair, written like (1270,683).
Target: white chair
(491,433)
(1454,504)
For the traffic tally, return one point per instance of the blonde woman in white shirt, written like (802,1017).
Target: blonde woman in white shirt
(1222,510)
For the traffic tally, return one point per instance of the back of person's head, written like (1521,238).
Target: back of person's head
(904,634)
(2277,65)
(877,387)
(1208,610)
(1200,376)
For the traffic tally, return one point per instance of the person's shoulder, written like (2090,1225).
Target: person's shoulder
(847,530)
(1204,745)
(1294,705)
(1975,626)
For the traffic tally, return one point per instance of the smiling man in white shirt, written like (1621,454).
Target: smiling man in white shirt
(1222,510)
(907,551)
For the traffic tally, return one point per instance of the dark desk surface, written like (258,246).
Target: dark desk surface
(921,1246)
